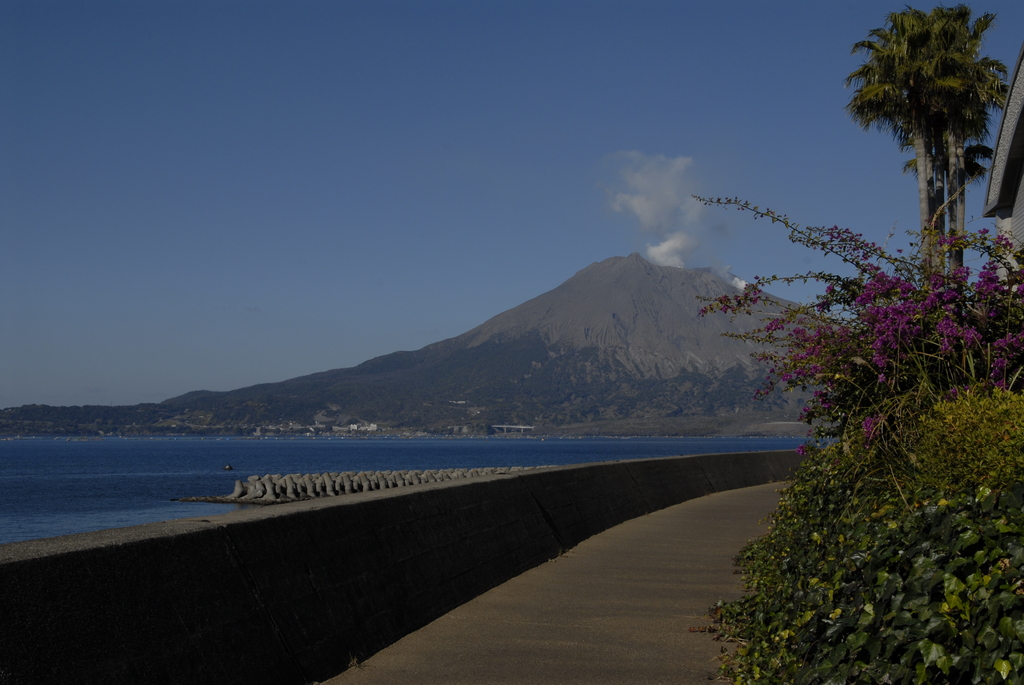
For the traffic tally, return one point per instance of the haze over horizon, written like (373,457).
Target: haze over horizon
(209,195)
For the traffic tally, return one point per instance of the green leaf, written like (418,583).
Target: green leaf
(904,618)
(952,585)
(1003,667)
(988,637)
(930,651)
(856,640)
(1007,599)
(1006,627)
(874,647)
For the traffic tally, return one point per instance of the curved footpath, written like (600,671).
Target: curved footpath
(617,608)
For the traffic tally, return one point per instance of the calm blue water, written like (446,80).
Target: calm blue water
(55,487)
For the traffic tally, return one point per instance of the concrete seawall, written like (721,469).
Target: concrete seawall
(292,593)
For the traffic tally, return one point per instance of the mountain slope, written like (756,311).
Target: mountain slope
(618,348)
(642,315)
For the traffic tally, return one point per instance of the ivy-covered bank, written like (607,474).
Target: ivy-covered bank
(857,585)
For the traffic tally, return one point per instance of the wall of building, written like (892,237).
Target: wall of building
(292,593)
(1004,198)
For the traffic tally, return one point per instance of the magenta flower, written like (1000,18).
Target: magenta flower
(889,329)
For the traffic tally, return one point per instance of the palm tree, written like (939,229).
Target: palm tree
(890,94)
(981,88)
(925,82)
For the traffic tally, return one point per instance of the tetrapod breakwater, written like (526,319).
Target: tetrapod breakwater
(292,594)
(294,487)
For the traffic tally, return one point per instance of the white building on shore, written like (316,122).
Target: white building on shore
(1005,196)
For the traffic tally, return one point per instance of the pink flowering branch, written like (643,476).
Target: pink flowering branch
(884,343)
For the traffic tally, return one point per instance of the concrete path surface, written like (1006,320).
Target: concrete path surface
(615,609)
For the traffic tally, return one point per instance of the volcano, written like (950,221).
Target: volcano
(620,348)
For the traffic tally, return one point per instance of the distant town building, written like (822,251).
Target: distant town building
(511,429)
(1005,197)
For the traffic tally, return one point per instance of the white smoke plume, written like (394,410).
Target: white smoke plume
(732,279)
(658,191)
(672,250)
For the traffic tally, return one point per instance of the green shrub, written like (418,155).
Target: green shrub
(807,527)
(975,440)
(852,585)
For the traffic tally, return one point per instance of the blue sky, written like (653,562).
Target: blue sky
(212,194)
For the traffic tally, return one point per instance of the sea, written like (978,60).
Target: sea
(62,486)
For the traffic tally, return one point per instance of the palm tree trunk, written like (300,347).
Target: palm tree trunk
(921,155)
(926,196)
(939,171)
(957,191)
